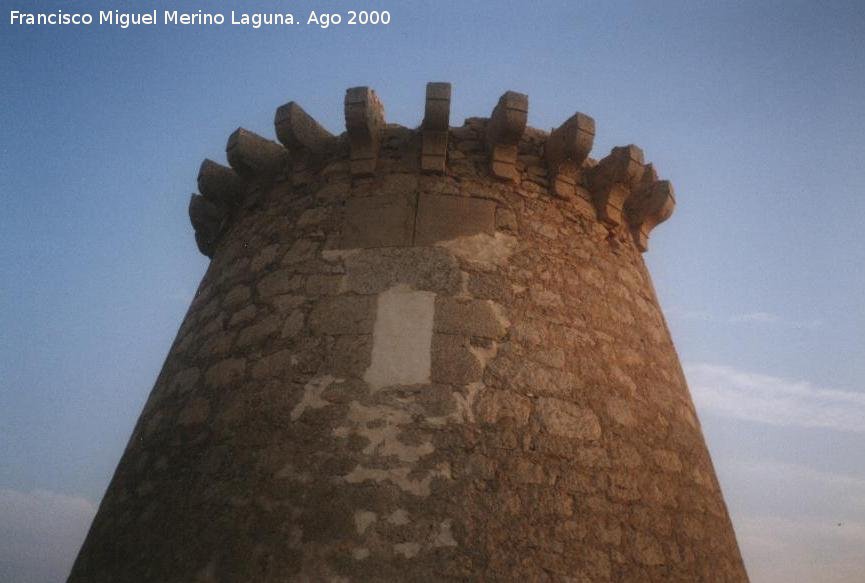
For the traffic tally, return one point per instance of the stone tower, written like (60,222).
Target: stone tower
(428,354)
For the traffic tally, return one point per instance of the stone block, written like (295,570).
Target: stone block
(236,296)
(257,333)
(566,419)
(506,220)
(350,355)
(272,365)
(225,372)
(490,286)
(453,362)
(279,282)
(293,324)
(441,218)
(196,411)
(379,221)
(376,270)
(343,315)
(482,318)
(494,405)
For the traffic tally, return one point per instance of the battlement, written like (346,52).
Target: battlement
(621,192)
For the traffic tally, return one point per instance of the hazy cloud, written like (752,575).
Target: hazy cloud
(757,317)
(40,534)
(726,391)
(808,525)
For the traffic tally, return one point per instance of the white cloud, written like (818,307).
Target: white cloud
(757,317)
(40,534)
(732,393)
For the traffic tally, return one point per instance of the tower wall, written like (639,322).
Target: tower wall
(423,354)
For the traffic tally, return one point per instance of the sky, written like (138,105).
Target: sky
(754,110)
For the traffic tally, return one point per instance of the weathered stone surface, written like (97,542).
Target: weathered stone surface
(566,419)
(272,365)
(374,271)
(481,318)
(379,221)
(453,362)
(279,282)
(441,218)
(494,406)
(343,315)
(225,372)
(258,332)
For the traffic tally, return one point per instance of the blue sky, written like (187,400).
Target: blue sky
(754,111)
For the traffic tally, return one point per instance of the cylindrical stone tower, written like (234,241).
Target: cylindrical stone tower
(427,354)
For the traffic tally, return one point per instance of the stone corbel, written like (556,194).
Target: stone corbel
(504,130)
(219,184)
(651,204)
(208,219)
(254,157)
(436,123)
(364,121)
(299,132)
(612,181)
(566,149)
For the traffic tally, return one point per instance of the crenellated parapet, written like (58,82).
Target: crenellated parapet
(620,191)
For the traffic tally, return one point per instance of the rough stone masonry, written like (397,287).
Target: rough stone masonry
(428,354)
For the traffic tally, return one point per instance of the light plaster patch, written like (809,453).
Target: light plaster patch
(484,251)
(380,425)
(398,517)
(464,412)
(402,338)
(408,550)
(444,537)
(399,477)
(363,519)
(312,395)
